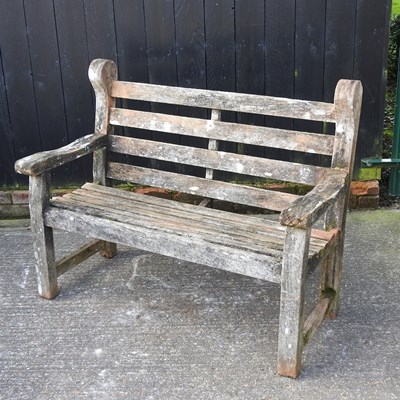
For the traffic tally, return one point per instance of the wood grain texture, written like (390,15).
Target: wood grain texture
(237,163)
(306,210)
(247,103)
(290,342)
(215,129)
(83,253)
(43,242)
(173,245)
(199,186)
(44,161)
(317,316)
(101,74)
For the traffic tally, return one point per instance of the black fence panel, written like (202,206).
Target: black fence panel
(291,48)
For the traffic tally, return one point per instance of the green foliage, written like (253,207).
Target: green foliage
(394,42)
(396,7)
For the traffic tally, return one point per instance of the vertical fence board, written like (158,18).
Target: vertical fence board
(191,63)
(132,57)
(99,18)
(309,56)
(161,53)
(47,78)
(250,59)
(279,59)
(309,62)
(46,73)
(18,81)
(131,40)
(74,62)
(339,46)
(279,47)
(7,156)
(220,52)
(370,61)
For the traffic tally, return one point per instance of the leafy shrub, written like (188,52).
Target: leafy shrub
(394,43)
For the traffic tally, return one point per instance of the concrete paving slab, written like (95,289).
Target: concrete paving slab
(141,326)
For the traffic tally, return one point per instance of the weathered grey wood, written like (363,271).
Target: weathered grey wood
(231,162)
(291,317)
(315,319)
(250,224)
(197,231)
(213,255)
(280,252)
(109,250)
(261,238)
(83,253)
(203,187)
(101,74)
(306,210)
(332,273)
(348,99)
(212,99)
(213,143)
(39,163)
(43,242)
(215,129)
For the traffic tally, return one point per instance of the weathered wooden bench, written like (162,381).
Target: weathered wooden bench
(280,252)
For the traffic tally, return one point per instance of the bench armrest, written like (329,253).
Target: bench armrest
(44,161)
(306,210)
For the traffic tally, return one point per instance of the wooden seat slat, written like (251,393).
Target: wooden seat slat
(264,237)
(119,230)
(254,224)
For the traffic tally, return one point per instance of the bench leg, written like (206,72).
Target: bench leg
(109,250)
(43,243)
(291,319)
(331,276)
(332,272)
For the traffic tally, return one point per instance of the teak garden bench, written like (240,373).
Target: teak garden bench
(280,252)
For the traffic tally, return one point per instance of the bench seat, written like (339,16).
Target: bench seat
(249,245)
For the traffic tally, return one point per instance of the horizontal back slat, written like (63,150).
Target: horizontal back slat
(225,191)
(218,160)
(229,101)
(226,131)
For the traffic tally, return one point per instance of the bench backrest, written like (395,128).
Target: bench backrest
(343,112)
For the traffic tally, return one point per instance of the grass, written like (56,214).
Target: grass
(396,7)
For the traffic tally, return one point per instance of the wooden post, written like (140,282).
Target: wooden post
(43,243)
(348,98)
(102,73)
(291,318)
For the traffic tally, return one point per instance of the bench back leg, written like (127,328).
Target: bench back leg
(43,243)
(331,269)
(291,317)
(109,250)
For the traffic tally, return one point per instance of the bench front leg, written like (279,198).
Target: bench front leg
(291,319)
(43,242)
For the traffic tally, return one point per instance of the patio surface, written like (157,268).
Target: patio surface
(141,326)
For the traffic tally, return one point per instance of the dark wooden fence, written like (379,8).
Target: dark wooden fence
(293,48)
